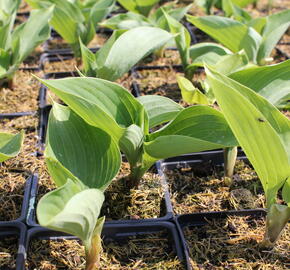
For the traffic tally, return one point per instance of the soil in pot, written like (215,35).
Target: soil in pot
(8,252)
(144,202)
(14,172)
(169,57)
(143,252)
(233,243)
(24,95)
(163,82)
(264,9)
(285,48)
(202,188)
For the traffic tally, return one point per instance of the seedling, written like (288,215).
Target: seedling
(76,19)
(264,134)
(10,145)
(122,51)
(16,44)
(82,161)
(112,108)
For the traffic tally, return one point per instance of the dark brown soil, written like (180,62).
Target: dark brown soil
(23,97)
(169,57)
(8,252)
(233,243)
(145,252)
(203,188)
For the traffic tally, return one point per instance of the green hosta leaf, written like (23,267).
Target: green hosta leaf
(196,128)
(130,48)
(10,145)
(159,109)
(100,103)
(126,21)
(191,94)
(275,27)
(27,36)
(100,10)
(71,209)
(207,52)
(79,151)
(9,6)
(5,58)
(139,6)
(182,40)
(262,131)
(272,82)
(234,35)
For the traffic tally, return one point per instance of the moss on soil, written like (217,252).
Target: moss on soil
(24,95)
(145,252)
(8,252)
(233,243)
(202,188)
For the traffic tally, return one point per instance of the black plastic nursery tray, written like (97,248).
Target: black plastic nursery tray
(198,231)
(196,183)
(12,243)
(122,242)
(25,201)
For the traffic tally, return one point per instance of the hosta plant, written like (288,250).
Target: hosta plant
(122,51)
(139,6)
(82,161)
(10,145)
(264,134)
(257,38)
(156,18)
(76,19)
(112,108)
(16,44)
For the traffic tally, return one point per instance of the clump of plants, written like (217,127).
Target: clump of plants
(74,20)
(18,42)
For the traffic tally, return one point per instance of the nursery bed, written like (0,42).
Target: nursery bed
(124,248)
(233,243)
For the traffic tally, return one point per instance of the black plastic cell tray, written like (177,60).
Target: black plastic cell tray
(201,219)
(115,232)
(26,200)
(19,230)
(166,204)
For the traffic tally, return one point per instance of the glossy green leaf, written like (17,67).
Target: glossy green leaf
(276,26)
(272,82)
(71,209)
(262,131)
(131,47)
(139,6)
(196,128)
(191,94)
(159,109)
(10,145)
(31,33)
(234,35)
(79,151)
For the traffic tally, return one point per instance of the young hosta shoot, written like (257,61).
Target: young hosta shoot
(131,20)
(112,108)
(17,44)
(82,161)
(139,6)
(76,19)
(122,51)
(10,145)
(257,37)
(264,134)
